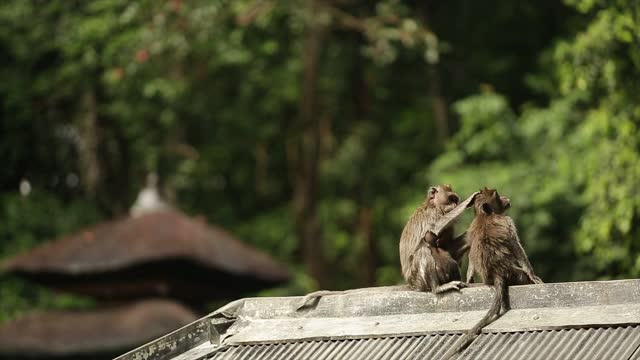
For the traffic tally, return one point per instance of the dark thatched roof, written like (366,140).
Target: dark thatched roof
(90,334)
(158,254)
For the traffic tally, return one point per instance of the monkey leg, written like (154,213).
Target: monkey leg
(442,273)
(470,272)
(450,286)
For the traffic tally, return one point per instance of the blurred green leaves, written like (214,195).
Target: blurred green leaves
(486,127)
(572,167)
(537,100)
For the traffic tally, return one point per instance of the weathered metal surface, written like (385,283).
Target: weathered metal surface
(272,328)
(379,301)
(555,318)
(177,343)
(189,341)
(399,348)
(579,344)
(249,331)
(200,352)
(158,254)
(112,330)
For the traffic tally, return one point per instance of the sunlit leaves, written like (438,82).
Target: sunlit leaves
(486,129)
(576,171)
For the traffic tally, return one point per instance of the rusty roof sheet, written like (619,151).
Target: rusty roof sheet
(581,320)
(163,243)
(109,330)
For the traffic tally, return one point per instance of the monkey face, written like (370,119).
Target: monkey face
(488,201)
(443,197)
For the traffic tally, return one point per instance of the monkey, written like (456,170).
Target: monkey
(429,252)
(497,255)
(428,233)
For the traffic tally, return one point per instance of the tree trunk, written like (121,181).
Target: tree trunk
(364,82)
(434,90)
(439,104)
(88,152)
(306,182)
(365,229)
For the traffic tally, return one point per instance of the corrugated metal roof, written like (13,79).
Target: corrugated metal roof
(582,320)
(584,344)
(592,343)
(396,348)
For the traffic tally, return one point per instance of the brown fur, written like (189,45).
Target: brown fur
(497,255)
(429,252)
(426,259)
(495,248)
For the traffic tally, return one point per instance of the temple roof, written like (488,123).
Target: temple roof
(163,253)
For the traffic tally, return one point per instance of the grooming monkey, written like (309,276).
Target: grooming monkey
(429,253)
(497,255)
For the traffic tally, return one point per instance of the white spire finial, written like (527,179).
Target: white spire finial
(149,199)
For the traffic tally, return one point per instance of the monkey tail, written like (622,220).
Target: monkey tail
(490,316)
(313,298)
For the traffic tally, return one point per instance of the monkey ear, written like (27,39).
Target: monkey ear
(487,209)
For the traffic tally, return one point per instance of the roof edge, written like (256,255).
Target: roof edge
(173,344)
(534,307)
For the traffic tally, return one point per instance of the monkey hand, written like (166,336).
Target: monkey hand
(471,199)
(432,239)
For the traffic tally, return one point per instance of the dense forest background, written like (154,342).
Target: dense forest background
(312,128)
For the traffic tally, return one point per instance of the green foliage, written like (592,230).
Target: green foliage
(486,130)
(18,297)
(575,177)
(27,221)
(94,94)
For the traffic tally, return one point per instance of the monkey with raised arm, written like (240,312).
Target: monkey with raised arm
(429,253)
(497,255)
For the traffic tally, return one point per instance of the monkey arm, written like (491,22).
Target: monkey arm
(526,267)
(529,272)
(447,219)
(521,255)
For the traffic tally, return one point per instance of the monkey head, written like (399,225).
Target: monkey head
(442,197)
(488,201)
